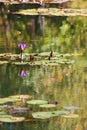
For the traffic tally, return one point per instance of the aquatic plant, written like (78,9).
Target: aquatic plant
(21,46)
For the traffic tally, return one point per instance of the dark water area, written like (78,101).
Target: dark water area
(66,84)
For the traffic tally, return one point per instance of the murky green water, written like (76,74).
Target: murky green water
(66,84)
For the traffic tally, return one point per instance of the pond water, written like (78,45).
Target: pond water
(65,84)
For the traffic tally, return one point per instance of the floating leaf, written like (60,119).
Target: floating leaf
(3,62)
(53,12)
(22,96)
(33,102)
(20,63)
(70,116)
(48,105)
(71,108)
(42,115)
(46,115)
(9,118)
(32,2)
(5,100)
(44,54)
(2,113)
(2,101)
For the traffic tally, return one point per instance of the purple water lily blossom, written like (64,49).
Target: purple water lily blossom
(22,73)
(22,46)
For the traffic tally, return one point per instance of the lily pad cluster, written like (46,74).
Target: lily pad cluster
(53,12)
(10,105)
(32,1)
(45,58)
(18,108)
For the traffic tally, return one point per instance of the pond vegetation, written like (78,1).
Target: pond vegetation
(43,65)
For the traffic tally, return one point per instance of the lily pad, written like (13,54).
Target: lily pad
(44,54)
(48,105)
(10,119)
(3,62)
(46,115)
(71,108)
(5,100)
(53,12)
(34,102)
(2,113)
(22,96)
(2,101)
(70,116)
(41,115)
(20,63)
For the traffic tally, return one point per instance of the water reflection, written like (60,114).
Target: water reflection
(65,84)
(41,23)
(41,30)
(22,73)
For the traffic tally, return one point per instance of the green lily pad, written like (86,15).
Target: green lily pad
(70,116)
(71,108)
(20,63)
(46,115)
(41,115)
(9,119)
(5,100)
(22,96)
(48,105)
(3,62)
(44,54)
(2,113)
(34,102)
(2,101)
(53,12)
